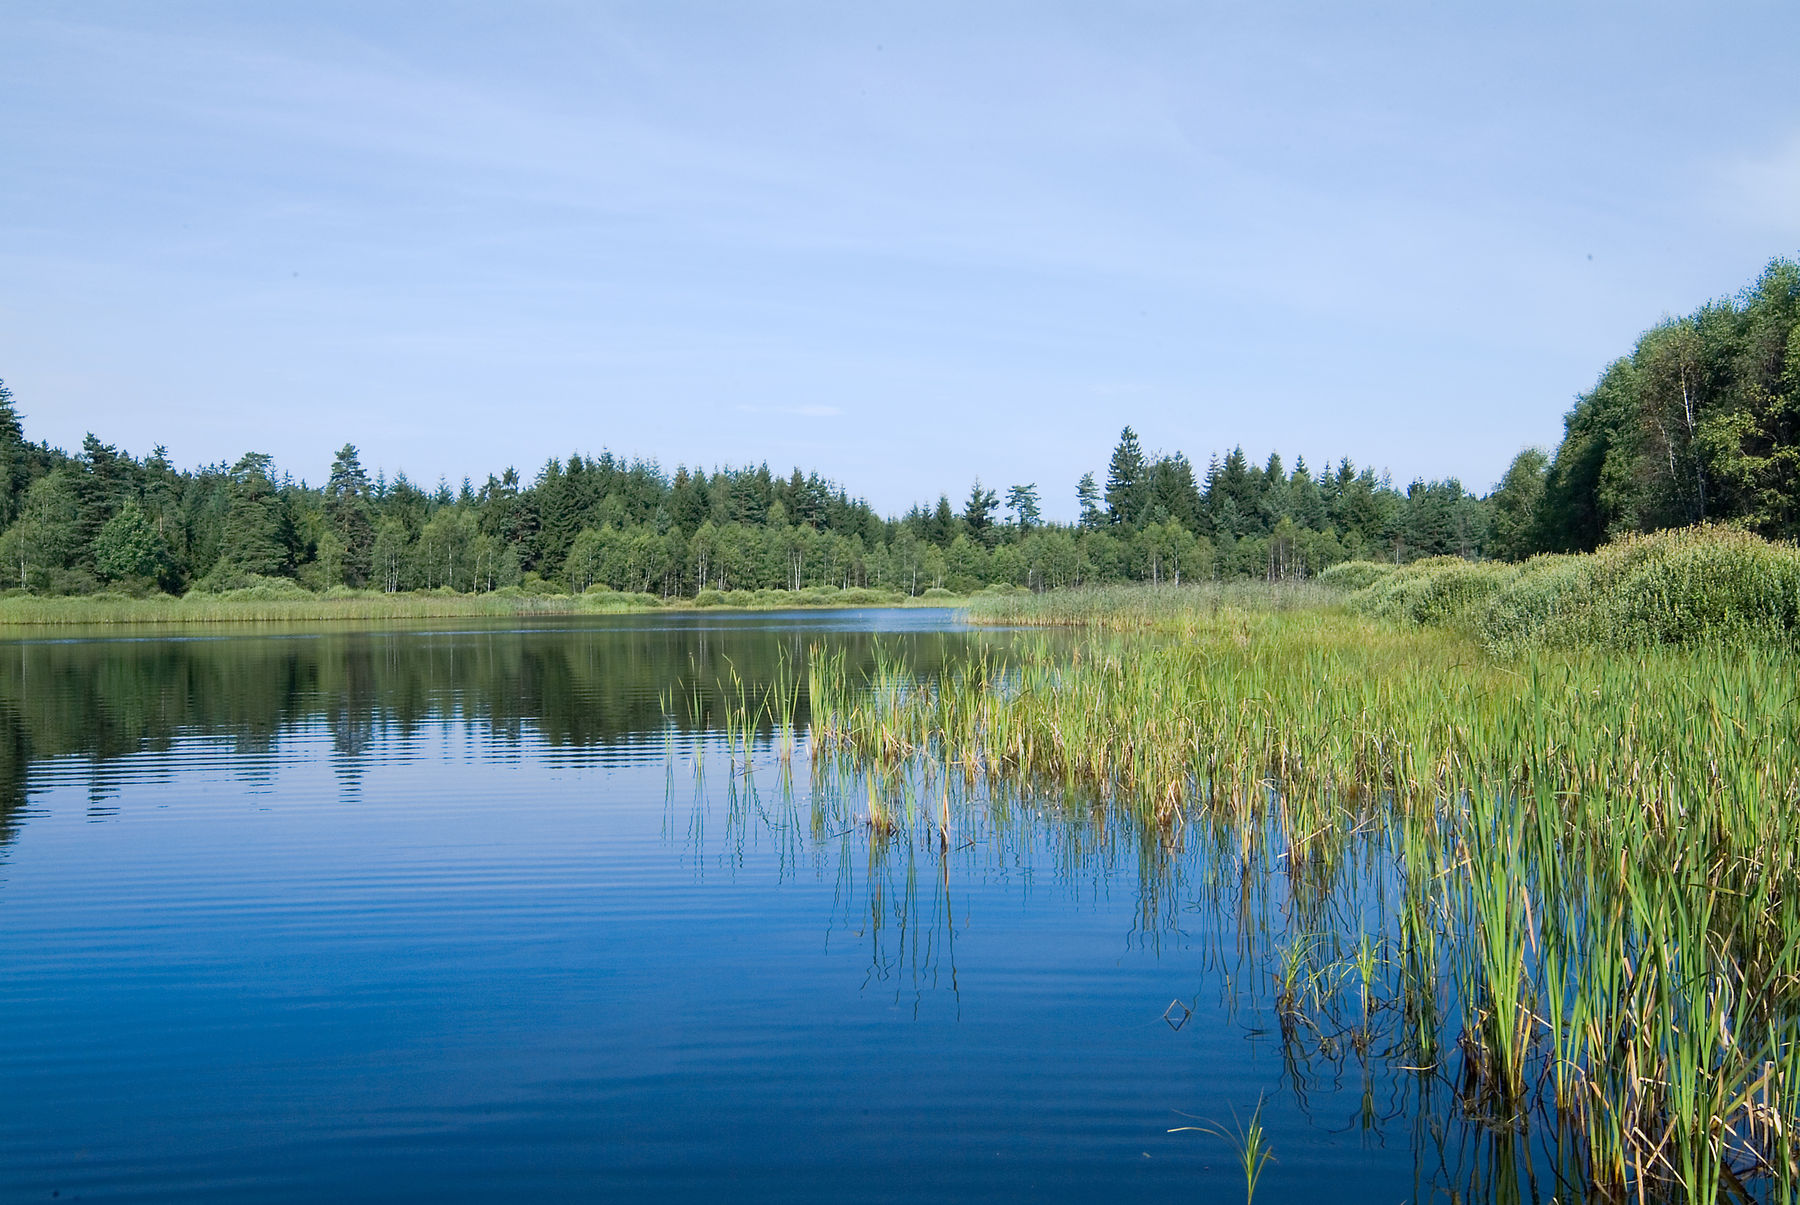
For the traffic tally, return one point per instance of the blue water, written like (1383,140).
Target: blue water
(461,914)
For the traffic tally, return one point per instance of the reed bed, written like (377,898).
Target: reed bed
(1598,854)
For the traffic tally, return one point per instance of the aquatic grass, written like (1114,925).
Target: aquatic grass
(1248,1141)
(1596,851)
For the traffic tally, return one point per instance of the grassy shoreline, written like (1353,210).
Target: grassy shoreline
(1596,842)
(253,606)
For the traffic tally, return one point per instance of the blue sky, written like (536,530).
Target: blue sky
(903,244)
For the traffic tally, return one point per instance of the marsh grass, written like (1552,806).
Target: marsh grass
(1597,921)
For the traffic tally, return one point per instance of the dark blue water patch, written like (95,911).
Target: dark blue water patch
(467,916)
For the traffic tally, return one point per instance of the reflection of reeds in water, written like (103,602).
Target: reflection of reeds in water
(1596,920)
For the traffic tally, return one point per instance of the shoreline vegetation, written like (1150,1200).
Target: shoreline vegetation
(1701,586)
(286,603)
(1581,773)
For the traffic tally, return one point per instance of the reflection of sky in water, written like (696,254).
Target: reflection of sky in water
(460,916)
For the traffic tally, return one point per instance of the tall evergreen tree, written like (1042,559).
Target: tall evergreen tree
(258,535)
(1126,481)
(15,459)
(978,511)
(347,511)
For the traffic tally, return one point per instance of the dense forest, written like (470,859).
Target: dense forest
(1700,423)
(106,519)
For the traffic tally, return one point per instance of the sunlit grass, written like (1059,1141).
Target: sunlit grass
(1599,851)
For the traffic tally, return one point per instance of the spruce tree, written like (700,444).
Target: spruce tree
(1126,480)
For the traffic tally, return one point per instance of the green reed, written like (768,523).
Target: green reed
(1599,868)
(1249,1142)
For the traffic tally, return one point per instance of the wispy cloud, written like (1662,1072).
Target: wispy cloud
(794,411)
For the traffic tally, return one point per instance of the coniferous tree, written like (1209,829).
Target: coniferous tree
(941,528)
(1126,484)
(1022,500)
(16,459)
(1087,495)
(978,511)
(1173,492)
(347,511)
(258,534)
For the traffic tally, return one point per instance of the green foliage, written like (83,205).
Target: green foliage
(258,536)
(1704,585)
(129,546)
(1127,482)
(1444,590)
(1701,422)
(1595,853)
(1354,575)
(1517,507)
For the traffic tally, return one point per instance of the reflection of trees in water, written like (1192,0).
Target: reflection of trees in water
(375,692)
(15,757)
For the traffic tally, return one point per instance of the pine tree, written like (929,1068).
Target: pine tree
(1022,500)
(1087,493)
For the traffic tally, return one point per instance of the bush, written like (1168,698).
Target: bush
(1442,590)
(937,592)
(1540,590)
(1699,585)
(1355,575)
(617,600)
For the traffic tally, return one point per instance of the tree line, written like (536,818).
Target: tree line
(1701,422)
(104,519)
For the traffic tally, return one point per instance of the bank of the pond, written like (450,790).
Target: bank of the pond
(1598,920)
(263,605)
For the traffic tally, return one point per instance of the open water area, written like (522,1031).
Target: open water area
(489,911)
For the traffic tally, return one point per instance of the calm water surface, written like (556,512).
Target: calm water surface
(463,914)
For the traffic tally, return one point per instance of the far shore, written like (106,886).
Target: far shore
(264,606)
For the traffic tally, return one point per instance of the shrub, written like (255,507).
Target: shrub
(1442,590)
(1355,575)
(1698,585)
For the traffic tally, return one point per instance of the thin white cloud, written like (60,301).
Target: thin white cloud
(794,411)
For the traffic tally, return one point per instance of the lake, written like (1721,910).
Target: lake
(490,911)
